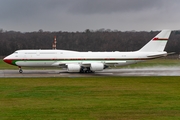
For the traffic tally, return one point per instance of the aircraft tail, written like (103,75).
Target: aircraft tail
(158,43)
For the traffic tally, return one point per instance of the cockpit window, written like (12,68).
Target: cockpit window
(15,52)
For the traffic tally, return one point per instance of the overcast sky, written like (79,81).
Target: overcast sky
(79,15)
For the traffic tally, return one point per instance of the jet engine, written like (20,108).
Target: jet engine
(97,66)
(73,67)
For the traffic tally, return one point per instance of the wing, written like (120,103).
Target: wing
(88,63)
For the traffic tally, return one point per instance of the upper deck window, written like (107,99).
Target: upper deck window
(30,53)
(47,53)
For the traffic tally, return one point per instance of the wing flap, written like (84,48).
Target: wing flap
(104,62)
(58,64)
(114,62)
(89,63)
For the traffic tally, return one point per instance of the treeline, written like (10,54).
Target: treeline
(103,40)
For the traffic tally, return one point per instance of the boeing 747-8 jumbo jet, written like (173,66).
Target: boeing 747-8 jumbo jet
(86,62)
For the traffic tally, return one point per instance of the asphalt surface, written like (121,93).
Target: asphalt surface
(151,71)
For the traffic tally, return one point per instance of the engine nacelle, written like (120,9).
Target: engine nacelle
(73,67)
(97,66)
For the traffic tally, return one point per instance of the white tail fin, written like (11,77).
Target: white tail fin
(158,43)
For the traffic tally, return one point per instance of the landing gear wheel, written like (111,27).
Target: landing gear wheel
(87,70)
(81,71)
(20,71)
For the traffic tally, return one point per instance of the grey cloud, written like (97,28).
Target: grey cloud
(74,15)
(27,8)
(111,6)
(17,10)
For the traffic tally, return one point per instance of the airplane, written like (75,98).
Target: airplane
(88,62)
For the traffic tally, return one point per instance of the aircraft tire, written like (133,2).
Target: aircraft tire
(20,71)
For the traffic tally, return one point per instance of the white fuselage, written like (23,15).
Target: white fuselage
(61,57)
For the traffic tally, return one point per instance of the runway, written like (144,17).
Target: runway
(150,71)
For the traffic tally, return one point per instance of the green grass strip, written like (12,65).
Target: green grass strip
(95,98)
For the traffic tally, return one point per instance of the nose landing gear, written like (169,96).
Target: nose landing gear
(20,70)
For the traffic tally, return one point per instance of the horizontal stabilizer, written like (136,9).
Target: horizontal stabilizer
(171,53)
(157,55)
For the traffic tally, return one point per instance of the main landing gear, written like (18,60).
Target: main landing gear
(20,70)
(86,70)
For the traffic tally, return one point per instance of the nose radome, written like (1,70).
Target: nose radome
(7,61)
(4,59)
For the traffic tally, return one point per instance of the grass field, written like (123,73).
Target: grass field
(95,98)
(4,65)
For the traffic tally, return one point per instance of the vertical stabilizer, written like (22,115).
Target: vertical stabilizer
(158,43)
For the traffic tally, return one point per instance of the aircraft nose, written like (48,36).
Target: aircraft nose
(7,61)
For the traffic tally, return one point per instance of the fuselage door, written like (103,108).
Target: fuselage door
(38,52)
